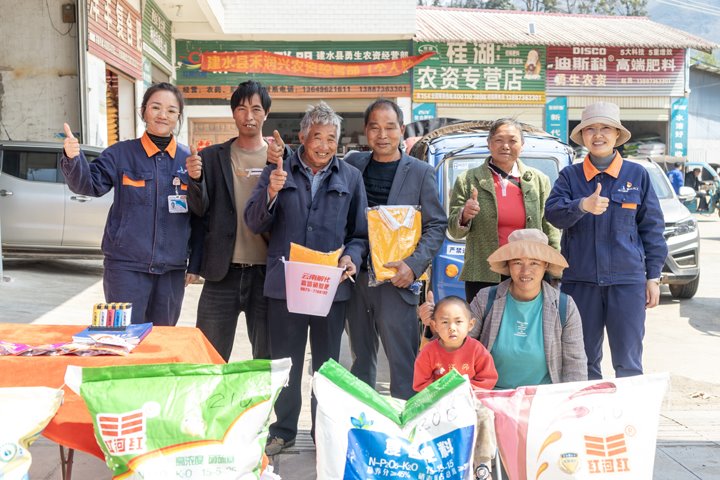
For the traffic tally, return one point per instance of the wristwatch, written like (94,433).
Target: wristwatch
(656,280)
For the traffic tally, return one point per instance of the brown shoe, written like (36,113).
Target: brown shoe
(276,445)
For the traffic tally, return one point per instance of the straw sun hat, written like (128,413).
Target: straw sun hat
(527,243)
(604,113)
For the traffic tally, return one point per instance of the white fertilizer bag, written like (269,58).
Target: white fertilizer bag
(361,435)
(24,414)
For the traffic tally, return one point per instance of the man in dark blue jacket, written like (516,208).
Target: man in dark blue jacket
(315,200)
(612,239)
(388,311)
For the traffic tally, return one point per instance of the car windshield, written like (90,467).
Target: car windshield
(459,165)
(454,167)
(660,183)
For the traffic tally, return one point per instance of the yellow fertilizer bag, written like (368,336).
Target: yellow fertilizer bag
(169,421)
(394,232)
(301,254)
(24,414)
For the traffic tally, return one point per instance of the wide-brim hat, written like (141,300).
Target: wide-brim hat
(600,112)
(527,243)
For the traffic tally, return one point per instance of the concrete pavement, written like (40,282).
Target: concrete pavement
(682,338)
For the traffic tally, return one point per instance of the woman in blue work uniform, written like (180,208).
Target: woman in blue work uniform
(612,240)
(147,233)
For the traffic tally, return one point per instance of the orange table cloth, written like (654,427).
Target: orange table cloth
(72,425)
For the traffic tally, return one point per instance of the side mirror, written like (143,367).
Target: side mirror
(686,194)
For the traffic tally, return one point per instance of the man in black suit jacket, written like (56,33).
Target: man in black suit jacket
(233,263)
(388,311)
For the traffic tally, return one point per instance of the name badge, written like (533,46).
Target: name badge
(177,204)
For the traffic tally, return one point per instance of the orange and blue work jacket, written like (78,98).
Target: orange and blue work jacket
(140,233)
(625,244)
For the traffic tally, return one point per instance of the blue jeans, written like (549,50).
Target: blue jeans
(221,303)
(155,298)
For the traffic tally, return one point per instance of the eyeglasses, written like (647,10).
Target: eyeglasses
(601,131)
(169,113)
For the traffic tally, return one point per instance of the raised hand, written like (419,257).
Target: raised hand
(71,144)
(277,179)
(596,204)
(425,311)
(471,209)
(193,163)
(276,149)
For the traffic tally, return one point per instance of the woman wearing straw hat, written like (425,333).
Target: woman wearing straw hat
(612,239)
(532,331)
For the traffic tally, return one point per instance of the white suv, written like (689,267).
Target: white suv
(39,215)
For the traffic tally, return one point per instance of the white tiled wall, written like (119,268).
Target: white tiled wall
(342,18)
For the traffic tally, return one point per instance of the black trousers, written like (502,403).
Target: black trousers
(381,313)
(288,337)
(220,305)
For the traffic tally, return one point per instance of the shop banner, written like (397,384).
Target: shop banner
(266,62)
(213,69)
(485,73)
(556,118)
(115,35)
(157,32)
(595,430)
(679,127)
(615,71)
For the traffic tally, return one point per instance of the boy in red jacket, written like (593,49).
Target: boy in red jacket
(452,320)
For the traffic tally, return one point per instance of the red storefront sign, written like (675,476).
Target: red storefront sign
(615,71)
(267,62)
(115,35)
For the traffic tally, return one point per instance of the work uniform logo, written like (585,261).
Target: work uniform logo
(123,433)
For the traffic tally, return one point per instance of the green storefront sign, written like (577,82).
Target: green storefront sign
(156,32)
(197,83)
(489,73)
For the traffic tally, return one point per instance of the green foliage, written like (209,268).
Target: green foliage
(591,7)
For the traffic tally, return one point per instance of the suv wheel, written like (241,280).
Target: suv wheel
(687,290)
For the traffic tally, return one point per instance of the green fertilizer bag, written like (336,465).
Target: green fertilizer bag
(170,421)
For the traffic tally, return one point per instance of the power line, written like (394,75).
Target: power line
(697,7)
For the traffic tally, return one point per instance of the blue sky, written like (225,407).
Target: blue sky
(703,24)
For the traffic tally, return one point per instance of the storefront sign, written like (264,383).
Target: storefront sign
(615,71)
(266,62)
(556,118)
(424,111)
(213,69)
(487,73)
(156,32)
(679,127)
(115,35)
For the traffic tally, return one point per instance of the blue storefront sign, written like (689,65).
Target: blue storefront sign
(556,118)
(679,127)
(424,111)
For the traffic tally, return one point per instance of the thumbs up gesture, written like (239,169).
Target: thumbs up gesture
(193,164)
(471,209)
(277,179)
(595,204)
(425,311)
(276,149)
(71,144)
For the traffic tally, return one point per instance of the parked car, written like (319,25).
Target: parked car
(458,147)
(709,178)
(39,215)
(681,271)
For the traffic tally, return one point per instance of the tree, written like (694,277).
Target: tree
(591,7)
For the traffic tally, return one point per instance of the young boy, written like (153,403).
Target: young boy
(452,320)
